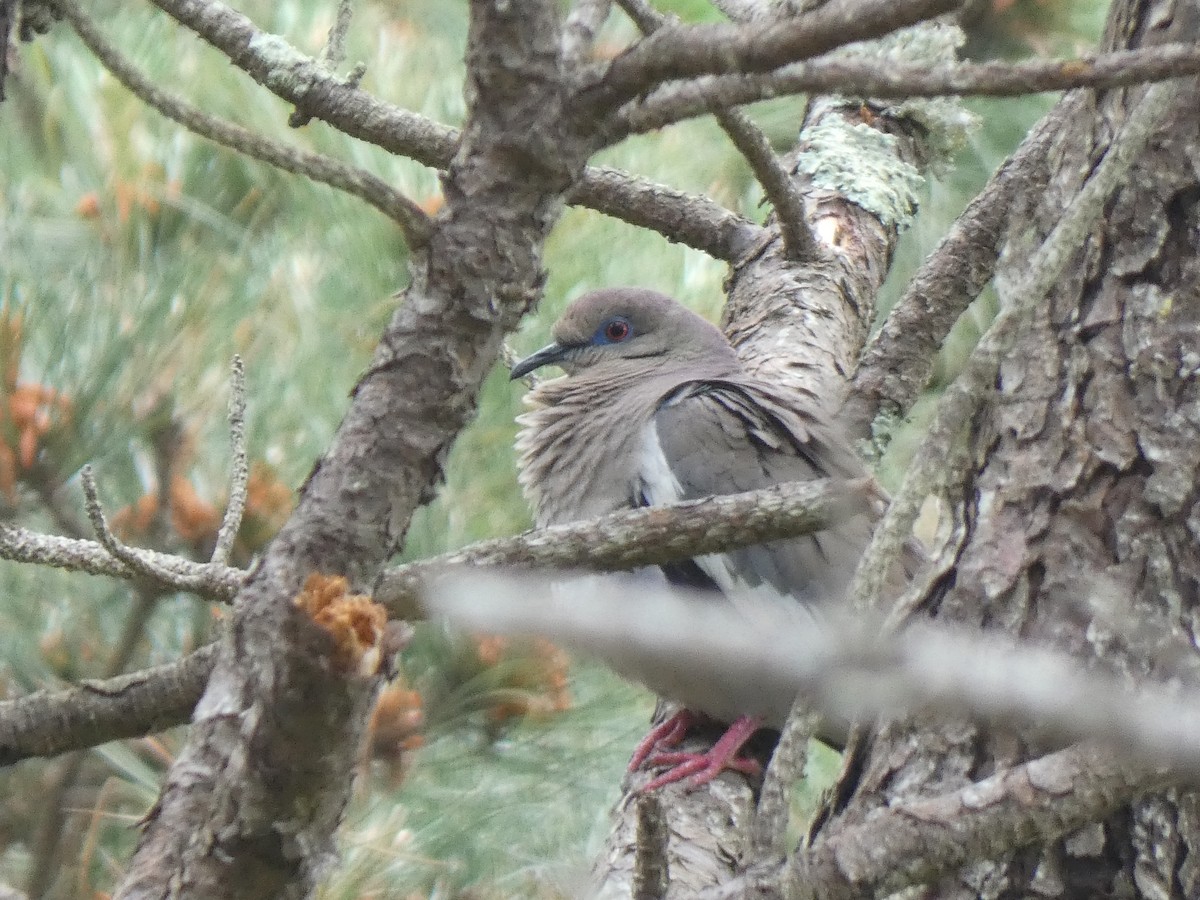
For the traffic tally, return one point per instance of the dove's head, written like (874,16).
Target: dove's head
(613,325)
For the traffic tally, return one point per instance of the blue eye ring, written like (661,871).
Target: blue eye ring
(613,331)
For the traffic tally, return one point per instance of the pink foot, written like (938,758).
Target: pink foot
(704,767)
(667,733)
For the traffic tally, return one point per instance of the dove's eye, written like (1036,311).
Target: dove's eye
(613,331)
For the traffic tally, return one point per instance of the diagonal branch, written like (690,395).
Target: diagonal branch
(135,563)
(798,241)
(1150,733)
(358,182)
(713,49)
(47,723)
(916,841)
(285,71)
(958,404)
(864,78)
(776,181)
(579,31)
(251,804)
(846,667)
(896,365)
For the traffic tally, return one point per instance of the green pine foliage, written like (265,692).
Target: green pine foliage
(136,259)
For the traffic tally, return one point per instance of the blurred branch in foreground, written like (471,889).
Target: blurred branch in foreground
(844,667)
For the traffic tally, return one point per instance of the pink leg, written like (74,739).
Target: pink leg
(667,733)
(704,767)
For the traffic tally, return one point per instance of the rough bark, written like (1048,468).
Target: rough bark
(802,323)
(1080,518)
(250,807)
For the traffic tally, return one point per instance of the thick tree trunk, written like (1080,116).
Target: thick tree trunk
(1081,519)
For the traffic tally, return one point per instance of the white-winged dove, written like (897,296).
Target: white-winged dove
(655,408)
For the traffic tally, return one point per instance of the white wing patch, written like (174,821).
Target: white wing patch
(660,486)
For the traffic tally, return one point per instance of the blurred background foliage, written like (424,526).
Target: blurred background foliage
(136,259)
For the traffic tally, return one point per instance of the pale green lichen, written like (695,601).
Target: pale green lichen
(933,44)
(862,164)
(284,62)
(946,122)
(883,427)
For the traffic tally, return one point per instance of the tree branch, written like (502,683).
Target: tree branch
(767,840)
(803,327)
(357,182)
(78,718)
(787,200)
(135,563)
(579,31)
(301,80)
(744,10)
(848,668)
(47,723)
(334,52)
(615,542)
(694,50)
(687,219)
(643,537)
(958,404)
(898,361)
(250,806)
(866,78)
(916,841)
(239,469)
(776,181)
(215,582)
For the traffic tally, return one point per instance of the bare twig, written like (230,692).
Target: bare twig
(695,221)
(136,563)
(776,181)
(798,241)
(714,49)
(642,537)
(47,723)
(675,102)
(334,53)
(239,469)
(358,182)
(958,404)
(510,357)
(73,554)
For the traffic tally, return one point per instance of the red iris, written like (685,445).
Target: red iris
(616,330)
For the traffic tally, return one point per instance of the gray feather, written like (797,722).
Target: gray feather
(671,415)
